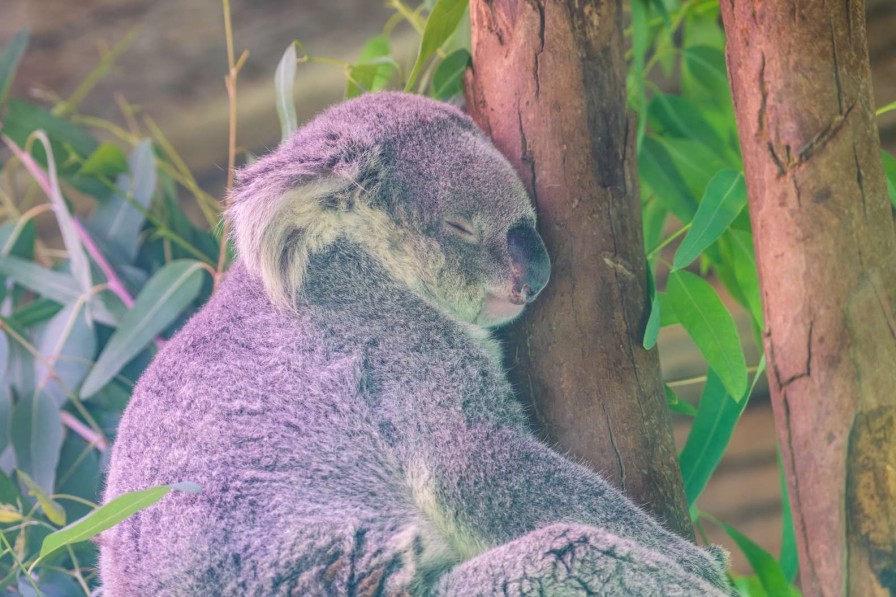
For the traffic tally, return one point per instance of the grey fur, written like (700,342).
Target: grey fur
(344,408)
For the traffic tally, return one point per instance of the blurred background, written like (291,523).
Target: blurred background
(167,58)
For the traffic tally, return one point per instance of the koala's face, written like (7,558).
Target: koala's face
(486,259)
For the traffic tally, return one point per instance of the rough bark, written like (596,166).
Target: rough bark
(826,251)
(548,85)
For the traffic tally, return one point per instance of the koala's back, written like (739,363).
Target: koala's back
(262,410)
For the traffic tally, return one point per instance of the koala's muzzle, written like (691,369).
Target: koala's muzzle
(530,265)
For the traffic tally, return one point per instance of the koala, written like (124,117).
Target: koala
(343,405)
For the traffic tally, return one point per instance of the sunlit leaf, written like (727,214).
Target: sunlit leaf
(108,515)
(676,404)
(442,22)
(373,69)
(162,300)
(448,79)
(9,60)
(37,437)
(107,160)
(711,327)
(284,82)
(725,197)
(52,510)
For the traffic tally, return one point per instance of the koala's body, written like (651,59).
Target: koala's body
(343,407)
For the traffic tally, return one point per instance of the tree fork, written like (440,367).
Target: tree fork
(548,86)
(826,252)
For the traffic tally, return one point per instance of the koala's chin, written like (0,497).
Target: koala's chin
(497,311)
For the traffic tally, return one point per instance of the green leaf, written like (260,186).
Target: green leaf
(448,79)
(789,558)
(107,160)
(657,169)
(652,329)
(640,29)
(890,173)
(676,404)
(9,61)
(166,295)
(68,345)
(37,437)
(695,162)
(704,74)
(9,491)
(744,261)
(667,312)
(710,433)
(53,511)
(764,565)
(108,515)
(442,22)
(36,311)
(725,197)
(676,116)
(57,286)
(284,82)
(118,220)
(711,327)
(373,68)
(66,138)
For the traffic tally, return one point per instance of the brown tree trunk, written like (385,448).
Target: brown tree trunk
(826,251)
(548,85)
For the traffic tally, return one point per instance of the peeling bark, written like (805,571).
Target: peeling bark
(826,252)
(548,85)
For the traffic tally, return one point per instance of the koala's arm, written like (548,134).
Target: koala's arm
(502,483)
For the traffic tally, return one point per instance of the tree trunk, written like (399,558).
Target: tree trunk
(826,251)
(548,85)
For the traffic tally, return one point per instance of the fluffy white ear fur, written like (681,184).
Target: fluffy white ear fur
(275,236)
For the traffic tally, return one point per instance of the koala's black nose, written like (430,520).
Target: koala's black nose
(531,265)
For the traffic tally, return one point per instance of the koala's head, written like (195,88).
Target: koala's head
(416,185)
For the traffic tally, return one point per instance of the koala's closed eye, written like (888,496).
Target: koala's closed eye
(463,228)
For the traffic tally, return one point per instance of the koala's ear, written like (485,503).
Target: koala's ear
(281,213)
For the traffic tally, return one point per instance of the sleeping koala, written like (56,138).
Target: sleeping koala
(343,406)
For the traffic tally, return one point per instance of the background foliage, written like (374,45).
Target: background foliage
(99,265)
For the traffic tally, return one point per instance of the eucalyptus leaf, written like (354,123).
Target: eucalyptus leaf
(764,565)
(725,197)
(744,262)
(676,116)
(704,74)
(37,438)
(373,69)
(284,83)
(67,346)
(53,511)
(695,162)
(890,173)
(9,60)
(714,423)
(166,295)
(711,326)
(108,515)
(659,172)
(56,286)
(117,219)
(789,558)
(652,329)
(448,79)
(77,258)
(676,404)
(107,160)
(441,24)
